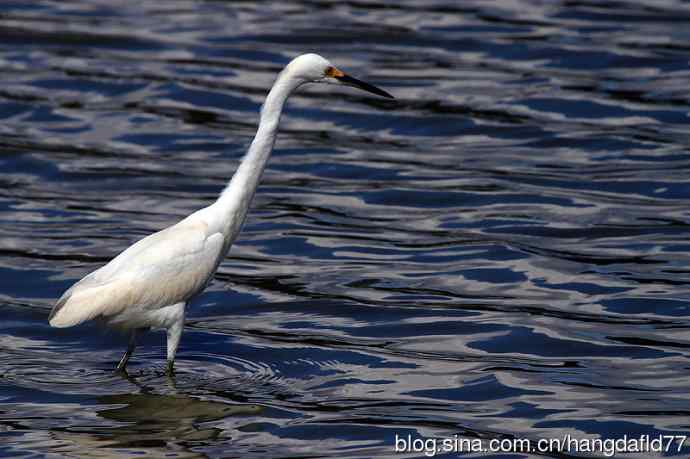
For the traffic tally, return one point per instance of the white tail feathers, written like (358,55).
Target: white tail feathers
(80,304)
(58,316)
(68,313)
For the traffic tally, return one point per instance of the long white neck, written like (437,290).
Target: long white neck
(234,201)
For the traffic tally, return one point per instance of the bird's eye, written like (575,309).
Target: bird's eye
(333,72)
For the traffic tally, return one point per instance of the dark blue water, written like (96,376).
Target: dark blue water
(503,252)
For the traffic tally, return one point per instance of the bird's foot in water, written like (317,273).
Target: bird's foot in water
(121,372)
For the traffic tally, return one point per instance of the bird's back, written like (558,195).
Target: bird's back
(164,268)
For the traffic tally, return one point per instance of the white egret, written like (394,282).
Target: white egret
(150,283)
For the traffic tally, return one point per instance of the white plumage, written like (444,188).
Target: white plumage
(149,284)
(152,273)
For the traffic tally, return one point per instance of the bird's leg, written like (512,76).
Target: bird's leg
(128,353)
(174,334)
(170,368)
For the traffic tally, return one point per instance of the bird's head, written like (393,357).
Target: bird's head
(312,68)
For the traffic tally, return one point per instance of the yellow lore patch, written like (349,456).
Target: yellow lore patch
(334,72)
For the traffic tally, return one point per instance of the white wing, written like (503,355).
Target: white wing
(164,268)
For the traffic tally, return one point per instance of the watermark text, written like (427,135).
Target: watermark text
(608,447)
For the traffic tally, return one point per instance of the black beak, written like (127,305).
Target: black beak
(348,80)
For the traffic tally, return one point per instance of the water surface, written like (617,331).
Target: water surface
(500,253)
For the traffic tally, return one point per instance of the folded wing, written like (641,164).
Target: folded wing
(164,268)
